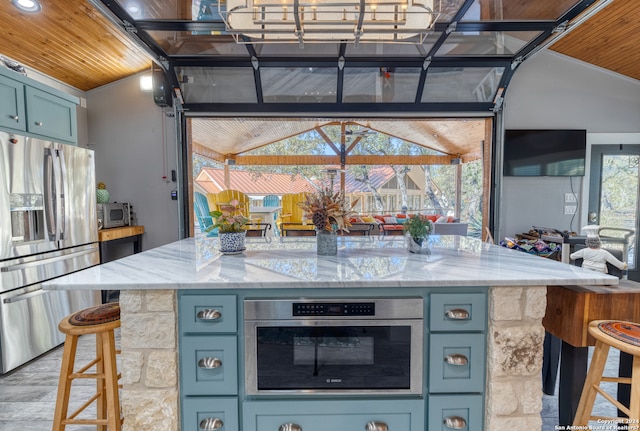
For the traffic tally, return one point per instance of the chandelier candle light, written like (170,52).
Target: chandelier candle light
(263,21)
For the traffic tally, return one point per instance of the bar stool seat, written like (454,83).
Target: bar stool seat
(101,320)
(624,336)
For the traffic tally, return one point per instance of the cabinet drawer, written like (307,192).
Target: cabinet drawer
(208,314)
(458,312)
(317,415)
(51,116)
(209,365)
(197,412)
(456,363)
(455,412)
(12,113)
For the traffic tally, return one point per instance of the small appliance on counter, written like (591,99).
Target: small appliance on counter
(116,214)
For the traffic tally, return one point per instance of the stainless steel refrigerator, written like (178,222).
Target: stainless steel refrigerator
(48,228)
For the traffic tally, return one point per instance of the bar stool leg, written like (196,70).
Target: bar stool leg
(111,381)
(594,376)
(634,405)
(64,383)
(101,389)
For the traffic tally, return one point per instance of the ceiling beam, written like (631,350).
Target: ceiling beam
(335,160)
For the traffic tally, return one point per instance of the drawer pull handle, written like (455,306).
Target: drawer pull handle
(211,424)
(456,359)
(455,422)
(290,427)
(14,117)
(457,314)
(39,123)
(376,426)
(209,314)
(209,363)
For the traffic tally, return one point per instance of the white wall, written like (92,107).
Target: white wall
(134,142)
(551,91)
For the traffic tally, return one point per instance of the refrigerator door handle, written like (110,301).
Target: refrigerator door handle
(62,221)
(50,193)
(20,266)
(24,296)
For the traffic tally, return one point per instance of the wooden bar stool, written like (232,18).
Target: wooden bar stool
(624,336)
(101,321)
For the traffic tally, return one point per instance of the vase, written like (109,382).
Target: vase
(327,243)
(232,242)
(417,245)
(102,196)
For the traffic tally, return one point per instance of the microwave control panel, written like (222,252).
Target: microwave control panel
(334,309)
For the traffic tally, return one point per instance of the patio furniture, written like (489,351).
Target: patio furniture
(205,221)
(291,221)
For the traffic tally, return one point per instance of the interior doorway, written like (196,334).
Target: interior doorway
(614,193)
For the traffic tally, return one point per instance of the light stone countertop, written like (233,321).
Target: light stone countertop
(361,262)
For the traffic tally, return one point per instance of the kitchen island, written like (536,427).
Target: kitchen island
(166,291)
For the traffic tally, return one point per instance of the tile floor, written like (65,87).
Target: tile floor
(28,394)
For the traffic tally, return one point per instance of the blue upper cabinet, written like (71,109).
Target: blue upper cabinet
(50,116)
(34,109)
(12,113)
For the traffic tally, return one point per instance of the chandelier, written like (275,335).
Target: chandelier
(318,21)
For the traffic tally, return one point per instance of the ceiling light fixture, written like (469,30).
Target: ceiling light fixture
(31,6)
(318,21)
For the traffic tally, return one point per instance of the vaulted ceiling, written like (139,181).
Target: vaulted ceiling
(461,67)
(71,41)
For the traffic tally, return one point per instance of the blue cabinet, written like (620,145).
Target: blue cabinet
(33,109)
(210,413)
(12,111)
(212,375)
(455,412)
(50,116)
(323,415)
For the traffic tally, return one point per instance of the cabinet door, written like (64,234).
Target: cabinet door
(208,314)
(209,365)
(209,413)
(456,363)
(346,415)
(458,312)
(50,116)
(12,114)
(455,412)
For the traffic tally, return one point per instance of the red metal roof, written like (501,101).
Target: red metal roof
(212,180)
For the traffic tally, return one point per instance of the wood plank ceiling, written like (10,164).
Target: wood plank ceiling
(74,43)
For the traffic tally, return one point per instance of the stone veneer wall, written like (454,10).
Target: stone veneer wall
(514,358)
(149,361)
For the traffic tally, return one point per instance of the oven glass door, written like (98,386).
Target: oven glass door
(351,356)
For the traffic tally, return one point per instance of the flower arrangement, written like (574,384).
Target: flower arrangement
(328,211)
(417,227)
(229,218)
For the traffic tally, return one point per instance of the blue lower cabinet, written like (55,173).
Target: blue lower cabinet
(455,412)
(456,363)
(209,365)
(318,415)
(199,414)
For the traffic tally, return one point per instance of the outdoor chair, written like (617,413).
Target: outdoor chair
(291,221)
(205,221)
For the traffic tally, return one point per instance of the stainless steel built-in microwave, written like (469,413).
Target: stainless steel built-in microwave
(342,346)
(114,215)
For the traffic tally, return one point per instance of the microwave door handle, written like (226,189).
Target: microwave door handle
(50,194)
(62,191)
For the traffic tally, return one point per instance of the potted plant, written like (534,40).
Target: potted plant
(417,229)
(230,223)
(329,212)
